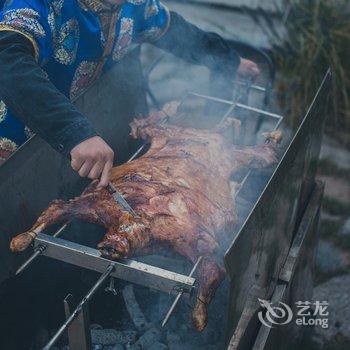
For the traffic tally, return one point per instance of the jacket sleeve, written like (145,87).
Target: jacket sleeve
(196,46)
(34,100)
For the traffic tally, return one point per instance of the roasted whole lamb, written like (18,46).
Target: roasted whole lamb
(181,191)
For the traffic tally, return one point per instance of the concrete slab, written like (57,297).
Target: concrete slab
(267,5)
(231,24)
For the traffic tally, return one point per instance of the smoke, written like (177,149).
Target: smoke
(174,79)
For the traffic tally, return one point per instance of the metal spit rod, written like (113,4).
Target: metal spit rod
(278,124)
(240,105)
(79,308)
(247,86)
(179,295)
(253,86)
(38,251)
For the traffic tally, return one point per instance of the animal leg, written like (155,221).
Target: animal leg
(255,157)
(59,212)
(210,276)
(147,128)
(209,273)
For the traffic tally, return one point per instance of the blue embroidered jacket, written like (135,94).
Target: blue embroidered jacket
(74,41)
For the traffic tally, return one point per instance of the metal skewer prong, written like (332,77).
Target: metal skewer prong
(179,295)
(38,251)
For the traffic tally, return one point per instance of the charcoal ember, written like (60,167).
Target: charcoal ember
(134,310)
(112,336)
(151,337)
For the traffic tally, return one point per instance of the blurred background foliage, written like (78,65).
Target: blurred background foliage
(317,36)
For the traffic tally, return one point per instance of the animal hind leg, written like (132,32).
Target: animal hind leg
(147,128)
(58,212)
(209,273)
(210,276)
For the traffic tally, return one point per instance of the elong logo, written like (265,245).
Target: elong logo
(275,315)
(282,314)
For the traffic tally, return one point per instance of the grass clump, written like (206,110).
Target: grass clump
(317,37)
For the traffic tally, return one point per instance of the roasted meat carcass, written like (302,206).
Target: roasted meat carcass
(181,191)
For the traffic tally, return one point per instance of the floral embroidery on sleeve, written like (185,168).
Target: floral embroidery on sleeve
(65,49)
(124,40)
(24,19)
(65,36)
(3,111)
(7,147)
(82,78)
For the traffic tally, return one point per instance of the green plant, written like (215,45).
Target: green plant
(317,36)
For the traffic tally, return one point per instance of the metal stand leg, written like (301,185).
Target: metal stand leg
(79,337)
(80,308)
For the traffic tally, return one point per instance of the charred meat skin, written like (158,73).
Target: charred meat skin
(180,190)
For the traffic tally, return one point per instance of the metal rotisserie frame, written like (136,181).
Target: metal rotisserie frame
(131,270)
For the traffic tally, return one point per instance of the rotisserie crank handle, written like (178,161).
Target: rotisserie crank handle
(179,295)
(78,309)
(38,251)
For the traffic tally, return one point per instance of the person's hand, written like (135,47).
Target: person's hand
(248,70)
(93,158)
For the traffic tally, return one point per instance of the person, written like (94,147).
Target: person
(51,51)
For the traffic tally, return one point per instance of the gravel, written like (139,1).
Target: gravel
(112,336)
(337,292)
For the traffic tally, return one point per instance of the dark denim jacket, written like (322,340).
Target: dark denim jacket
(37,103)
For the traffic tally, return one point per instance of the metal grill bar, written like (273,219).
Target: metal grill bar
(237,104)
(38,251)
(180,294)
(128,270)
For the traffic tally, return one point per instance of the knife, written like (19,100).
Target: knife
(118,197)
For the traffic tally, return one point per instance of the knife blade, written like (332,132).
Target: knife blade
(118,197)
